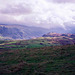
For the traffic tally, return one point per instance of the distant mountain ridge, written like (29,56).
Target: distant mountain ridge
(14,31)
(20,32)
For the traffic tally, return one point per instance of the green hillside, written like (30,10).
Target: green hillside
(36,43)
(23,44)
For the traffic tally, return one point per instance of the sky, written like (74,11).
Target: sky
(40,13)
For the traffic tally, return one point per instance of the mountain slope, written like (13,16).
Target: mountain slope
(14,31)
(21,32)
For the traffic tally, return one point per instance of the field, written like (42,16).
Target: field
(22,44)
(36,43)
(36,57)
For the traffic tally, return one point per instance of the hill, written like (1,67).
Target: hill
(47,55)
(69,35)
(20,32)
(54,60)
(61,38)
(50,39)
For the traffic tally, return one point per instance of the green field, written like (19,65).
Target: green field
(22,44)
(35,43)
(36,57)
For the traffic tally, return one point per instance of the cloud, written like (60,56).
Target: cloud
(16,10)
(6,19)
(41,13)
(62,1)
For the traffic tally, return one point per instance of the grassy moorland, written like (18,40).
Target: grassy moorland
(36,57)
